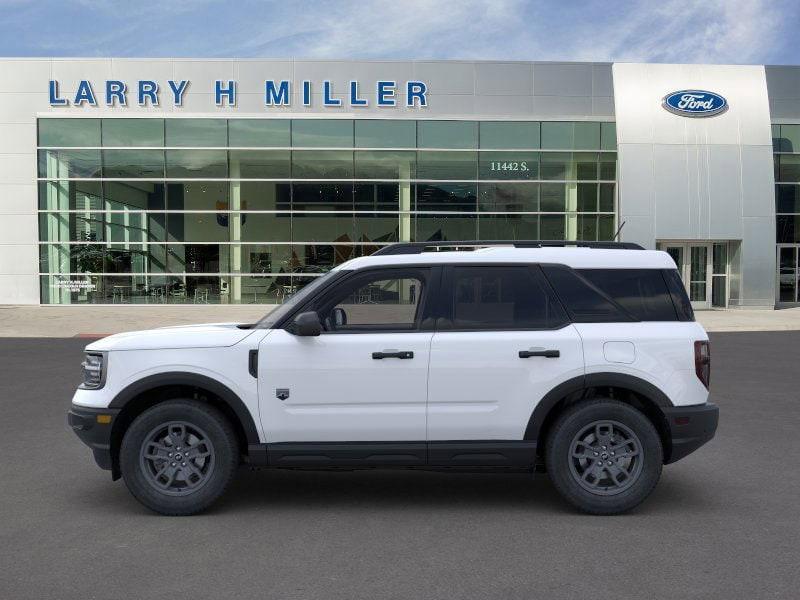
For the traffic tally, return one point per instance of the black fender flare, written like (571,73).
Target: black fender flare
(584,382)
(195,380)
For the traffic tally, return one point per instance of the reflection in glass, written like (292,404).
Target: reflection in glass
(197,164)
(198,195)
(503,135)
(256,133)
(198,133)
(556,165)
(447,134)
(509,197)
(264,195)
(440,228)
(508,227)
(382,196)
(383,133)
(70,195)
(322,164)
(133,132)
(382,164)
(322,227)
(147,164)
(63,164)
(322,133)
(377,227)
(461,197)
(265,227)
(198,227)
(260,164)
(322,196)
(509,165)
(65,133)
(447,165)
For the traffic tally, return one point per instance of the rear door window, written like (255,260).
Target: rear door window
(642,292)
(585,302)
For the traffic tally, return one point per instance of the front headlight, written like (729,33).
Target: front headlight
(94,374)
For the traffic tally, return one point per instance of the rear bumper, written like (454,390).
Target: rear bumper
(97,436)
(690,427)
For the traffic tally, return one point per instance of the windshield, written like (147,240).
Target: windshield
(296,299)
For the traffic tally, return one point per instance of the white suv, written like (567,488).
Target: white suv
(582,359)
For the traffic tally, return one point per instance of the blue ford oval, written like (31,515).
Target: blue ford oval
(695,103)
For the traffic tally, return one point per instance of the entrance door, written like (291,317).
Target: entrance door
(703,269)
(788,274)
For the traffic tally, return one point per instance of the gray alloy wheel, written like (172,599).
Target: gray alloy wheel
(177,458)
(606,458)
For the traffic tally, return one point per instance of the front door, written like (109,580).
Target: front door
(694,261)
(363,380)
(501,344)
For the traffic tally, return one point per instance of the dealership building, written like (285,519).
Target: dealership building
(184,181)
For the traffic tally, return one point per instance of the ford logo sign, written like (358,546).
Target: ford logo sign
(695,103)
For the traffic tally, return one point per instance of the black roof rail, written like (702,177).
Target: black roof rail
(420,247)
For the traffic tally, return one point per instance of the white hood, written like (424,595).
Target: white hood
(210,335)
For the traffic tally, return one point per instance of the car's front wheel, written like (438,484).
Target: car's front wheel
(604,456)
(179,456)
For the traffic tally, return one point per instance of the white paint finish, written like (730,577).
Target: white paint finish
(758,175)
(664,355)
(480,388)
(132,71)
(338,392)
(18,198)
(22,107)
(619,352)
(578,258)
(19,289)
(19,259)
(636,190)
(24,75)
(202,74)
(69,72)
(16,136)
(251,74)
(213,335)
(18,229)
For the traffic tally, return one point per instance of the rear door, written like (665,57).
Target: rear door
(503,341)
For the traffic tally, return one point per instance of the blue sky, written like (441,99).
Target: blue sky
(710,31)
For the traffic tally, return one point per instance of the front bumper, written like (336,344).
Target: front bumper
(690,427)
(94,432)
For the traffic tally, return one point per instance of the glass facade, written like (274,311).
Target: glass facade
(786,148)
(249,210)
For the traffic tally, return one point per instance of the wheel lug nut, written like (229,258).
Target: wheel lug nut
(173,464)
(603,447)
(609,463)
(612,453)
(597,454)
(599,463)
(184,464)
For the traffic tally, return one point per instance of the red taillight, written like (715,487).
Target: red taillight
(702,362)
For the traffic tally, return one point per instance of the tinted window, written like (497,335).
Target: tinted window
(679,298)
(642,292)
(585,302)
(501,298)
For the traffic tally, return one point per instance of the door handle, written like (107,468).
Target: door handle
(545,353)
(402,354)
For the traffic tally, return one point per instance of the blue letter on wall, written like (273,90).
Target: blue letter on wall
(276,96)
(55,100)
(228,92)
(148,89)
(85,93)
(115,89)
(386,93)
(306,93)
(327,95)
(178,88)
(416,90)
(354,99)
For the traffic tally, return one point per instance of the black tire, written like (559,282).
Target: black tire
(586,435)
(153,441)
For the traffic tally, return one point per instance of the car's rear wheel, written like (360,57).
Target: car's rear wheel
(604,456)
(179,456)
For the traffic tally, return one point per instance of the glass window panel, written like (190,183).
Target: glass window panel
(587,136)
(587,227)
(606,197)
(587,197)
(447,134)
(198,258)
(197,163)
(322,227)
(388,304)
(258,133)
(509,165)
(128,258)
(198,227)
(720,259)
(439,228)
(377,227)
(790,138)
(260,164)
(133,132)
(64,133)
(608,166)
(556,165)
(788,231)
(147,164)
(322,133)
(62,164)
(382,196)
(552,227)
(776,135)
(447,197)
(266,227)
(558,135)
(318,258)
(65,227)
(198,195)
(380,133)
(508,197)
(553,197)
(322,164)
(605,228)
(126,227)
(385,164)
(144,195)
(509,134)
(585,166)
(789,170)
(70,195)
(608,136)
(447,165)
(322,196)
(787,198)
(263,195)
(508,227)
(787,274)
(264,290)
(71,258)
(197,133)
(262,258)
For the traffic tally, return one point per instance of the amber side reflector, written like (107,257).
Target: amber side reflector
(104,419)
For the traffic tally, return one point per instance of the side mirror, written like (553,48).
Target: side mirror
(339,317)
(306,324)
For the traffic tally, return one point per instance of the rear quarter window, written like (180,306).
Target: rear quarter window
(642,292)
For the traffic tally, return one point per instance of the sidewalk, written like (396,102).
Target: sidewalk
(97,321)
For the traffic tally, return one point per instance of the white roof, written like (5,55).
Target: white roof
(575,257)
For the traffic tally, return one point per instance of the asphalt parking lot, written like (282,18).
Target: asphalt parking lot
(723,523)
